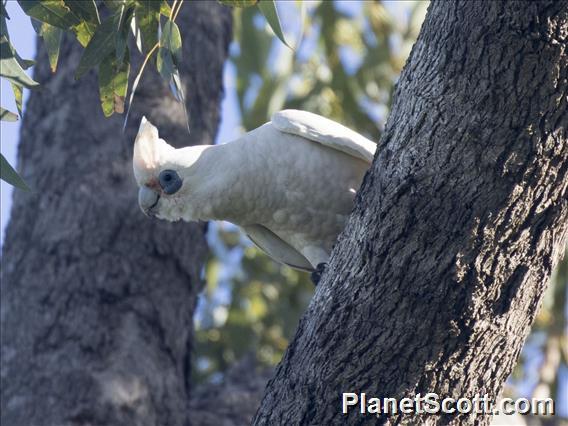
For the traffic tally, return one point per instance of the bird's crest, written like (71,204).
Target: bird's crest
(149,152)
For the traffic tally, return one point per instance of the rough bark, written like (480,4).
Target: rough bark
(234,401)
(440,271)
(97,300)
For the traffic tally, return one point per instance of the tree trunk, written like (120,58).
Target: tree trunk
(440,271)
(97,299)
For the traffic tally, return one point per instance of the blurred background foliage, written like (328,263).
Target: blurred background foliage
(347,58)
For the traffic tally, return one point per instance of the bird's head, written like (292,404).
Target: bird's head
(163,174)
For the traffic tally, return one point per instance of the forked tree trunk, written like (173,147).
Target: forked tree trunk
(440,272)
(97,300)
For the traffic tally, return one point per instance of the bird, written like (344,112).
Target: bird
(289,184)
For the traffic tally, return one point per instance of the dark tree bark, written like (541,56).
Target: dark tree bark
(234,401)
(97,300)
(440,271)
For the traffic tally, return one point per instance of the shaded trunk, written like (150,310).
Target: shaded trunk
(439,274)
(97,300)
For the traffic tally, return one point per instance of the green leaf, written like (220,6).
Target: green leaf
(52,38)
(169,55)
(165,8)
(170,48)
(6,115)
(171,39)
(85,32)
(54,12)
(122,24)
(24,63)
(84,9)
(10,68)
(114,4)
(8,174)
(102,43)
(18,92)
(165,63)
(238,3)
(268,9)
(148,20)
(113,84)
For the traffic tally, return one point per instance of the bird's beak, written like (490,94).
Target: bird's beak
(147,200)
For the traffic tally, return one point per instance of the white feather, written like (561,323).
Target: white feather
(289,184)
(325,131)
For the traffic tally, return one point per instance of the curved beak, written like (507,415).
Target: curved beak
(147,200)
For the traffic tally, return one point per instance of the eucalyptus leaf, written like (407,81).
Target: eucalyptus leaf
(113,84)
(171,39)
(6,115)
(10,68)
(85,9)
(165,63)
(54,12)
(268,9)
(148,19)
(18,96)
(100,46)
(169,55)
(52,38)
(122,25)
(85,32)
(238,3)
(165,8)
(114,4)
(169,52)
(8,174)
(24,63)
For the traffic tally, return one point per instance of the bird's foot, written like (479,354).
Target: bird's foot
(316,275)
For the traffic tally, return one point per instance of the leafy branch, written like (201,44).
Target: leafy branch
(150,22)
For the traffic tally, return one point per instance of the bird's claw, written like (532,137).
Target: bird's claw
(316,275)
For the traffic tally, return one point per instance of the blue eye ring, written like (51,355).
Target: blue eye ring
(170,181)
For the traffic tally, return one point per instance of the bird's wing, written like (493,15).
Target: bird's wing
(276,247)
(325,131)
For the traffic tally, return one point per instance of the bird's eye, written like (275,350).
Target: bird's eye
(170,181)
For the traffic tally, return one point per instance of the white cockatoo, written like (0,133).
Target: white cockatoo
(288,184)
